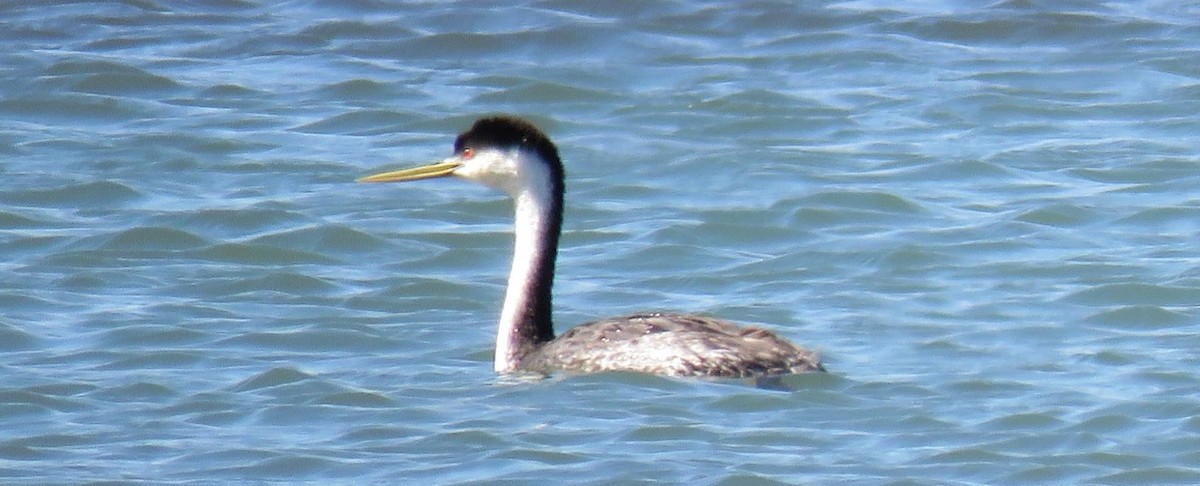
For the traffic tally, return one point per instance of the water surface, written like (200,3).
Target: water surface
(982,214)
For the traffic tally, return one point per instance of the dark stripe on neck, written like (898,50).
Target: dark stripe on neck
(536,323)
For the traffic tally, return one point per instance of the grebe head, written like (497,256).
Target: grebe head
(512,155)
(502,152)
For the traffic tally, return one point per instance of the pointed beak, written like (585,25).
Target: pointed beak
(439,169)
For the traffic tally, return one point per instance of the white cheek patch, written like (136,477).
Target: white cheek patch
(492,168)
(512,171)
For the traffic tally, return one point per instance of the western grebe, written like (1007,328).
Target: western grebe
(512,155)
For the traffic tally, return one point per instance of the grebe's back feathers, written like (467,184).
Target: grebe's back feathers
(672,344)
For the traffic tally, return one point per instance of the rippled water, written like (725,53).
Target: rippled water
(983,214)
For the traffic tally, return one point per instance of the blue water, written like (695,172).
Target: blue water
(984,215)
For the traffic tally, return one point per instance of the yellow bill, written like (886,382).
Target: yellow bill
(440,169)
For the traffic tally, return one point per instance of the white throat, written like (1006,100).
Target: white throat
(529,183)
(529,223)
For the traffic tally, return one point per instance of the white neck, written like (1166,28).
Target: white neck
(515,335)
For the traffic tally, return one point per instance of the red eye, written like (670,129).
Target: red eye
(467,153)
